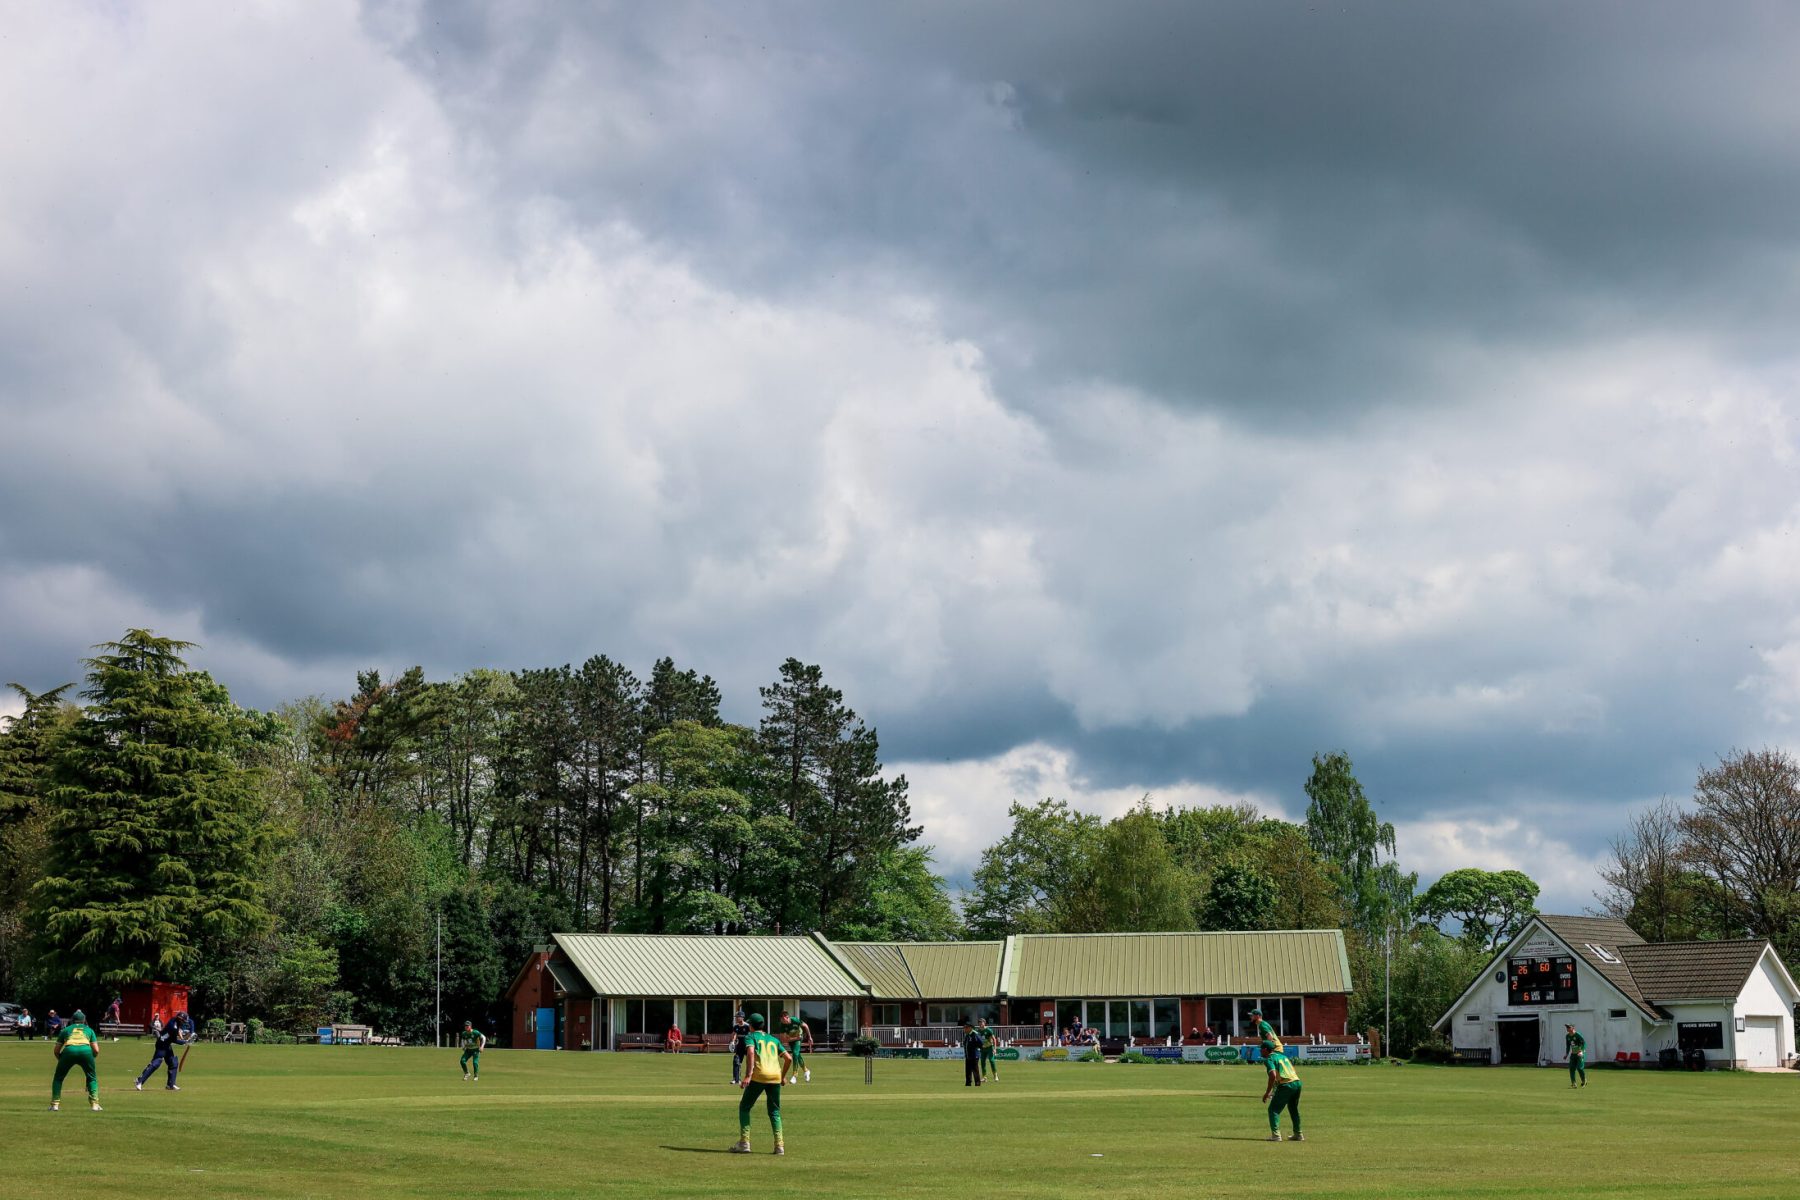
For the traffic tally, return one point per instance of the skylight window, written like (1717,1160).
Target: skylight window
(1602,953)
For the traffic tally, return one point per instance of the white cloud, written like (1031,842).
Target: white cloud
(323,361)
(1529,843)
(963,805)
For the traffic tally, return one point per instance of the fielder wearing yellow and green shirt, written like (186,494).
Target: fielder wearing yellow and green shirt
(1283,1091)
(1575,1046)
(76,1046)
(989,1042)
(766,1063)
(473,1043)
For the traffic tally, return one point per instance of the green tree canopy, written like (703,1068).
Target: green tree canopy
(1025,874)
(1490,906)
(156,835)
(1126,881)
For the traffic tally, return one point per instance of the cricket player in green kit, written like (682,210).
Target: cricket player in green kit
(473,1043)
(1576,1047)
(793,1031)
(1266,1031)
(768,1064)
(76,1046)
(1284,1087)
(988,1043)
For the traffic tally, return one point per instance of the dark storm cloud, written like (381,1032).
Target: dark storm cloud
(1112,398)
(1270,209)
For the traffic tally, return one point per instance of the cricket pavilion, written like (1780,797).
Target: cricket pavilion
(616,991)
(1707,1004)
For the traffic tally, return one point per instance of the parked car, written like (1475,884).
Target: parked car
(9,1011)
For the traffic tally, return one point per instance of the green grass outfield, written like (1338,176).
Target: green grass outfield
(356,1121)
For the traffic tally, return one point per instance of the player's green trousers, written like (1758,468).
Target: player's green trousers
(471,1060)
(987,1064)
(1577,1066)
(799,1058)
(1286,1096)
(68,1060)
(751,1092)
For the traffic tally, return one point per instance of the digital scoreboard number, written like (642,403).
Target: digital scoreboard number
(1541,980)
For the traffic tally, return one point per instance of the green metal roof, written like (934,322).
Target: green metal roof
(884,966)
(1274,963)
(704,967)
(927,970)
(954,970)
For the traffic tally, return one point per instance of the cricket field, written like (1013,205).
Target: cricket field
(352,1121)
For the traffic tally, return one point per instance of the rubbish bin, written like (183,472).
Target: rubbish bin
(1696,1059)
(1668,1058)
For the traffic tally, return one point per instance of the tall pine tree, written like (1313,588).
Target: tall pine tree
(156,833)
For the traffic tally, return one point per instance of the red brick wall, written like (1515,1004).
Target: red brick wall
(536,990)
(1327,1014)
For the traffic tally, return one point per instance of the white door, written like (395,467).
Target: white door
(1760,1043)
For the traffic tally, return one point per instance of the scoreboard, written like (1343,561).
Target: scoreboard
(1541,980)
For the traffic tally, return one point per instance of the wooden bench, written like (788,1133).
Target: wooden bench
(118,1029)
(350,1035)
(639,1041)
(716,1041)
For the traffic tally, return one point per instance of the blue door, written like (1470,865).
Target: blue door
(546,1029)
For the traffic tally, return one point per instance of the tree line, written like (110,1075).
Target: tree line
(297,865)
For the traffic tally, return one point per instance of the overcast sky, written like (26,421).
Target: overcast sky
(1115,399)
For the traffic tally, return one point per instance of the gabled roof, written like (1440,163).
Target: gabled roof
(1273,963)
(535,962)
(1584,934)
(926,970)
(954,970)
(705,967)
(1648,974)
(884,966)
(568,979)
(1693,970)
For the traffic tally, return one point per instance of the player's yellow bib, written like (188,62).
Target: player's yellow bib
(765,1059)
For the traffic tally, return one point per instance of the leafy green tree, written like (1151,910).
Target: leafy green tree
(28,746)
(698,827)
(1239,897)
(905,901)
(1742,835)
(1127,882)
(156,835)
(1430,971)
(522,919)
(1022,876)
(473,974)
(825,767)
(1343,828)
(1490,906)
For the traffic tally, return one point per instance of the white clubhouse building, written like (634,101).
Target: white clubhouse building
(1732,1001)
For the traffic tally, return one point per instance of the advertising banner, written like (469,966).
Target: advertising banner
(1007,1054)
(902,1052)
(1160,1051)
(1213,1054)
(944,1052)
(1330,1053)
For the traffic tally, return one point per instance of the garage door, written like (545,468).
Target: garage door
(1760,1043)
